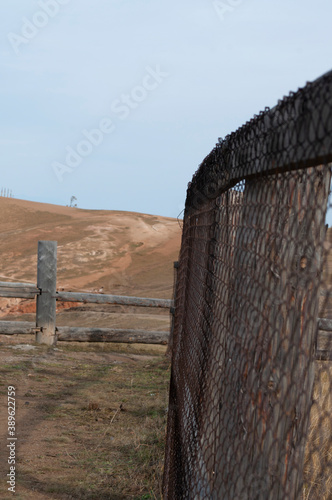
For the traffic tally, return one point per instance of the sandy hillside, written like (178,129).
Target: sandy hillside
(120,251)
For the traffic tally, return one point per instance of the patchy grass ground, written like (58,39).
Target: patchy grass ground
(90,421)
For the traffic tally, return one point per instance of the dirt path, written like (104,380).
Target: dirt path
(90,421)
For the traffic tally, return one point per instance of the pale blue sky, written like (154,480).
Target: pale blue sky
(191,76)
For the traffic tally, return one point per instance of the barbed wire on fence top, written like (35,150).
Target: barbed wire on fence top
(250,399)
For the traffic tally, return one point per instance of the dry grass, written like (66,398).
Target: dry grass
(91,423)
(318,460)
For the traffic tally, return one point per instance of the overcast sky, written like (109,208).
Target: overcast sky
(117,102)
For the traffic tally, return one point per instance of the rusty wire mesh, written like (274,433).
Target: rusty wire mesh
(250,409)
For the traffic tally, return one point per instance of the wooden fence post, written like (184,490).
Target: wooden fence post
(172,310)
(271,342)
(46,301)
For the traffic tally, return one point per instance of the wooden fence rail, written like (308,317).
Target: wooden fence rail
(112,299)
(46,295)
(76,334)
(86,334)
(18,290)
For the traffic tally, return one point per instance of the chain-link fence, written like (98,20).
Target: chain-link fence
(250,411)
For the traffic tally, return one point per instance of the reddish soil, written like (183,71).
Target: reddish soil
(123,253)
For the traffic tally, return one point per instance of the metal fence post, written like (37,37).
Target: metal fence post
(46,301)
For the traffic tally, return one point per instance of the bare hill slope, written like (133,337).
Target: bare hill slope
(123,252)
